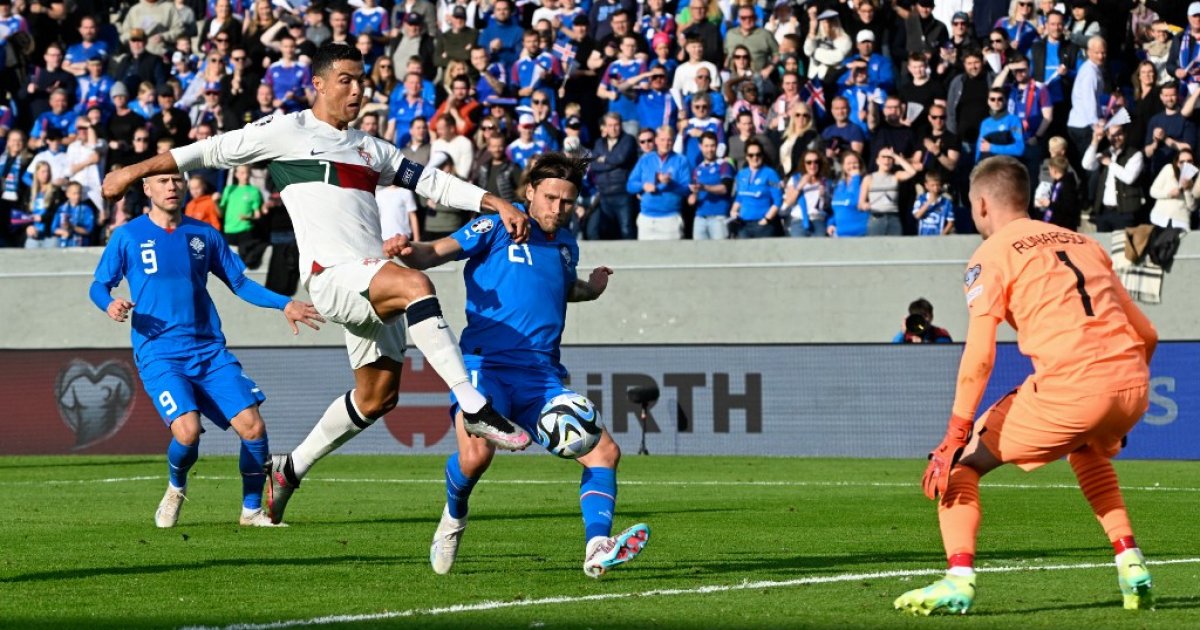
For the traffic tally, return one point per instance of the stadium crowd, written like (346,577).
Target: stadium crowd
(706,119)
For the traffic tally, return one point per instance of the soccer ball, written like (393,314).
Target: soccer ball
(569,426)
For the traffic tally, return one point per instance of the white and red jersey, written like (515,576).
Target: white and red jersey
(326,178)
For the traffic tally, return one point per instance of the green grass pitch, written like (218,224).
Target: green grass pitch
(737,543)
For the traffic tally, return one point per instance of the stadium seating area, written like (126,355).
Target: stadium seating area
(705,119)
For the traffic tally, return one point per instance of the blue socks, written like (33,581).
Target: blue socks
(597,500)
(179,461)
(252,462)
(458,488)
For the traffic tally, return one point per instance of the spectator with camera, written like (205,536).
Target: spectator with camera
(918,326)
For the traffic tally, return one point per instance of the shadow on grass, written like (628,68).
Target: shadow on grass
(1161,603)
(325,561)
(480,515)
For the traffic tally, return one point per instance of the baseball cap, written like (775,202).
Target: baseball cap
(1193,9)
(137,35)
(526,120)
(864,35)
(925,3)
(177,56)
(459,12)
(580,20)
(573,122)
(165,90)
(414,19)
(660,38)
(119,89)
(828,14)
(961,16)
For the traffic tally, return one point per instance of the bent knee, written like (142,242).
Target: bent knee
(186,430)
(606,455)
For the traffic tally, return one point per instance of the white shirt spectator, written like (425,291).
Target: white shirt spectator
(461,150)
(397,210)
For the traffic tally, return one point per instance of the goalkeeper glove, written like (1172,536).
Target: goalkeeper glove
(943,458)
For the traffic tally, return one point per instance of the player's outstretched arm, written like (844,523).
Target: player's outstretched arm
(119,180)
(230,269)
(421,255)
(592,288)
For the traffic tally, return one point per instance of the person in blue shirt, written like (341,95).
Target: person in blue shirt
(757,195)
(626,66)
(78,54)
(517,297)
(687,142)
(75,219)
(879,68)
(1020,26)
(661,179)
(406,106)
(177,341)
(1001,133)
(502,35)
(655,105)
(60,117)
(933,209)
(846,219)
(712,192)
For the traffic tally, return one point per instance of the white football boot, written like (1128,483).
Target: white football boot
(444,549)
(603,553)
(167,513)
(257,518)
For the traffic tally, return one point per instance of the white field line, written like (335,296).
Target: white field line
(632,482)
(667,592)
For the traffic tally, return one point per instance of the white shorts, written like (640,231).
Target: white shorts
(340,294)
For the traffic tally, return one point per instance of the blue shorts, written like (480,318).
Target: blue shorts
(518,393)
(217,388)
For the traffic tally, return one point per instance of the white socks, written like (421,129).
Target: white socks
(432,336)
(341,421)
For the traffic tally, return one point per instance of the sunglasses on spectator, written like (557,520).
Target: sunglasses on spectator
(936,117)
(753,155)
(237,59)
(802,115)
(541,102)
(141,139)
(1020,69)
(741,56)
(646,141)
(995,99)
(221,40)
(748,16)
(811,162)
(656,77)
(385,66)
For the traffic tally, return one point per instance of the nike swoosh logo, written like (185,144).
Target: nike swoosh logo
(316,152)
(443,326)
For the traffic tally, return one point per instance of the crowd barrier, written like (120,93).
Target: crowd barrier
(866,400)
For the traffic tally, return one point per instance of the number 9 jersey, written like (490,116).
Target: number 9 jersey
(1057,289)
(173,316)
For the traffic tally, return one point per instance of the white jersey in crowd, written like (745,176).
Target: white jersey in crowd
(327,179)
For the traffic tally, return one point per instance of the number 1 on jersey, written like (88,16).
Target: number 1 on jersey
(1079,283)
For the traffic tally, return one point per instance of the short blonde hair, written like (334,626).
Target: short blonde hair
(1004,181)
(1057,145)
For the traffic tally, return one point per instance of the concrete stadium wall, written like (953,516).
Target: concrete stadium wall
(758,291)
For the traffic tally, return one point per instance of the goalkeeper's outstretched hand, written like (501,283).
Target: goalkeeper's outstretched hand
(945,456)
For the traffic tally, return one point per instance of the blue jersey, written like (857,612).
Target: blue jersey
(371,21)
(934,221)
(64,122)
(756,191)
(516,294)
(79,53)
(173,315)
(712,174)
(617,73)
(283,79)
(520,153)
